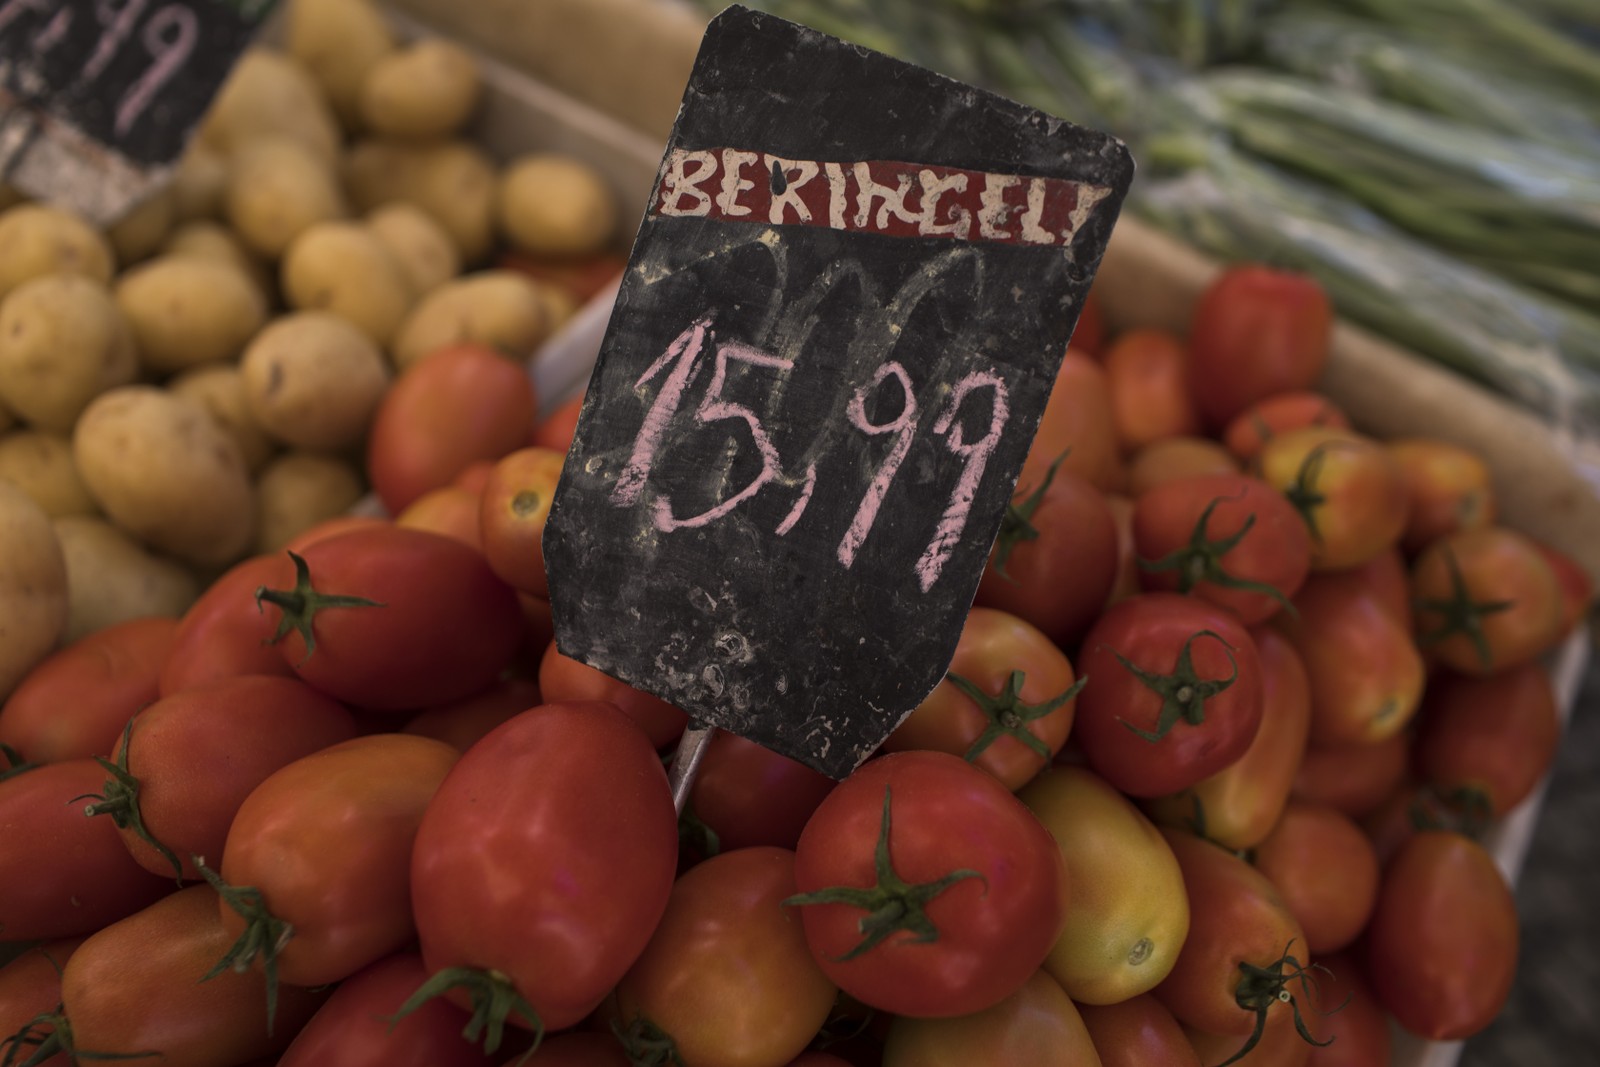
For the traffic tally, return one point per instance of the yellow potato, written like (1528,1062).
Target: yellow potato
(339,41)
(161,468)
(111,578)
(139,233)
(298,490)
(206,239)
(7,419)
(452,180)
(270,93)
(219,389)
(39,239)
(428,89)
(555,205)
(198,185)
(344,268)
(10,195)
(33,587)
(419,245)
(186,311)
(40,464)
(63,342)
(277,189)
(313,381)
(498,308)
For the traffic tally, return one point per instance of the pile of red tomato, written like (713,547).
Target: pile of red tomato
(1202,784)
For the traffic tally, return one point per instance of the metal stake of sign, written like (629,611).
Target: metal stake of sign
(691,752)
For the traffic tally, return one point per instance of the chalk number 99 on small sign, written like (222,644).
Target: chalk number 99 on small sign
(680,365)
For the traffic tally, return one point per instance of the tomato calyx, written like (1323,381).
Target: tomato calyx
(1460,614)
(14,763)
(646,1044)
(1262,987)
(493,997)
(1201,560)
(51,1042)
(264,935)
(1303,492)
(892,904)
(121,801)
(1183,692)
(1016,526)
(1008,714)
(694,835)
(301,604)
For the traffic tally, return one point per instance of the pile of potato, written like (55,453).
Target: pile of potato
(195,384)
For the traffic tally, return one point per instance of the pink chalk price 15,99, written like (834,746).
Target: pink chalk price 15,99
(679,366)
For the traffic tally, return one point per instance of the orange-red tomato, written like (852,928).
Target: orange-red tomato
(1278,414)
(1577,587)
(1357,778)
(582,277)
(474,476)
(575,1048)
(75,703)
(463,722)
(1485,600)
(1279,1046)
(1256,330)
(326,841)
(1076,422)
(555,430)
(512,514)
(563,678)
(1125,582)
(449,510)
(1347,487)
(1089,336)
(749,795)
(1176,457)
(1442,944)
(459,404)
(1449,489)
(1005,705)
(1147,375)
(1387,578)
(1325,869)
(727,974)
(224,634)
(30,986)
(136,987)
(1366,674)
(1239,805)
(1243,947)
(1137,1032)
(1054,561)
(330,528)
(1485,743)
(1037,1025)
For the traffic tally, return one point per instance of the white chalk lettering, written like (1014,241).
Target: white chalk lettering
(680,182)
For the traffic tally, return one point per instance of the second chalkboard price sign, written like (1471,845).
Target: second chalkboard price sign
(98,97)
(839,325)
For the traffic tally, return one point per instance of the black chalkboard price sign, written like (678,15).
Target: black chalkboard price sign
(841,319)
(98,97)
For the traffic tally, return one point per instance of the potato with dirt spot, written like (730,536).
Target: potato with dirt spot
(270,93)
(339,42)
(428,89)
(219,389)
(111,578)
(37,239)
(419,246)
(63,342)
(33,587)
(499,308)
(555,205)
(313,381)
(277,189)
(342,267)
(298,490)
(452,180)
(41,465)
(186,312)
(161,468)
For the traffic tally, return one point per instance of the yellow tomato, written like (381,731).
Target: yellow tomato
(1129,912)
